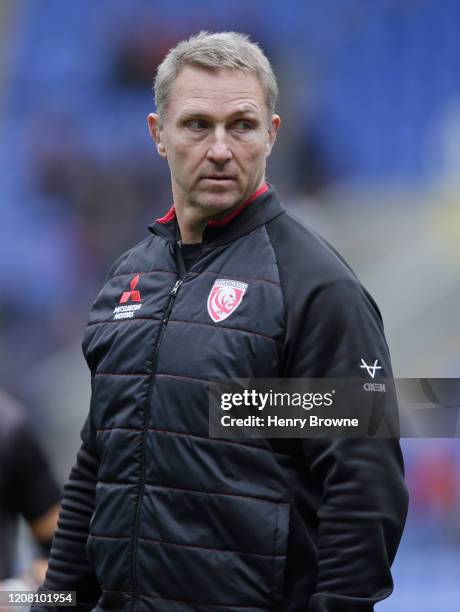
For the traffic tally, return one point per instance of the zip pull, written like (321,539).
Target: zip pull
(175,289)
(172,297)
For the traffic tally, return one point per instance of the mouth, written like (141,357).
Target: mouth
(218,178)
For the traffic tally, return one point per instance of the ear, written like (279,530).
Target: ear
(153,121)
(273,128)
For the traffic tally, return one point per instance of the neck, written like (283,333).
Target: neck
(191,221)
(191,227)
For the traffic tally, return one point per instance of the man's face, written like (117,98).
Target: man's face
(216,135)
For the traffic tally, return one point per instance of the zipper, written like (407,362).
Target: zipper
(161,333)
(172,297)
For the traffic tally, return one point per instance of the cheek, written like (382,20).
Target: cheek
(255,154)
(185,155)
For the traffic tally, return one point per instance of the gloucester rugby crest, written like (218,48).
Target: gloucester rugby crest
(224,298)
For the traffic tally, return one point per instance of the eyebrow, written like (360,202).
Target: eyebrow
(188,114)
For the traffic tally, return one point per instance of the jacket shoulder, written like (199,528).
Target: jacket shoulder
(332,321)
(130,258)
(309,266)
(305,255)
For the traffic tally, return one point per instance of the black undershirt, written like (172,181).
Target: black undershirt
(190,253)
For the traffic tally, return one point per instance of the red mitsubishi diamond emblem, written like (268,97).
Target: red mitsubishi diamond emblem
(133,295)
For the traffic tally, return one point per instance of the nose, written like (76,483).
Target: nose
(219,152)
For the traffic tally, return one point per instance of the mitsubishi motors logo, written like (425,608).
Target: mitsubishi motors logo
(133,295)
(127,312)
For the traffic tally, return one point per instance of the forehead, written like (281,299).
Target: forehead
(198,90)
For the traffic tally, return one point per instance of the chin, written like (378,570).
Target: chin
(219,200)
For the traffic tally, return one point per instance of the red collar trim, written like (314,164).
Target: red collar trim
(171,214)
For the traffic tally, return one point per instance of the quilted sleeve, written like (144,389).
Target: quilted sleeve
(69,569)
(364,498)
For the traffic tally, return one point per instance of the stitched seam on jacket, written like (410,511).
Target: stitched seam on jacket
(244,331)
(248,278)
(201,492)
(92,323)
(182,433)
(197,491)
(120,428)
(105,373)
(281,286)
(143,273)
(183,545)
(274,587)
(191,435)
(238,277)
(120,374)
(206,380)
(198,603)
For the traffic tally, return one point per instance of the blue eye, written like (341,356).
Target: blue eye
(243,126)
(197,124)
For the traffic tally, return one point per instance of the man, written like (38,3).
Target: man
(27,489)
(157,515)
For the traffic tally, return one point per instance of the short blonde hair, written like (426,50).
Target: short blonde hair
(215,51)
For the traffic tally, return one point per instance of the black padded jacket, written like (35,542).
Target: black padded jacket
(159,516)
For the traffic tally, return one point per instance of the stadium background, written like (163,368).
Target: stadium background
(368,154)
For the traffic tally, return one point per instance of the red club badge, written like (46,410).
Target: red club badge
(224,298)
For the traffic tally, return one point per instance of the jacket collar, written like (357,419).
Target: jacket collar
(257,210)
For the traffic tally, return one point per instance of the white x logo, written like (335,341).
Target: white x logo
(371,369)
